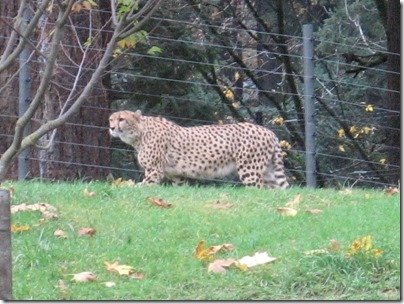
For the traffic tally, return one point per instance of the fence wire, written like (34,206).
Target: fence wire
(356,177)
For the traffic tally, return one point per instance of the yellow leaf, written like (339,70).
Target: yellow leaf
(369,108)
(16,228)
(382,161)
(341,148)
(236,105)
(86,5)
(285,145)
(284,211)
(353,129)
(341,133)
(88,193)
(228,93)
(120,269)
(202,253)
(278,121)
(366,130)
(294,202)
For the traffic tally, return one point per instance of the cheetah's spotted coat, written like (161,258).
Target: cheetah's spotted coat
(168,150)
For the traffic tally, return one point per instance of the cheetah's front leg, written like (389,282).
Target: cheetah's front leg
(152,177)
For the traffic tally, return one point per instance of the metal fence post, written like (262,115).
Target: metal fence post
(24,92)
(5,247)
(308,68)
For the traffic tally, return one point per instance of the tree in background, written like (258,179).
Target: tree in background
(72,52)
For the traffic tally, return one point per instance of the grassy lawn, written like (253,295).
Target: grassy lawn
(160,243)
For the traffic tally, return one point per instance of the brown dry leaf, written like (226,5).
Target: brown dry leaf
(391,191)
(218,266)
(85,276)
(335,246)
(136,276)
(314,211)
(88,231)
(202,253)
(16,228)
(62,288)
(88,193)
(258,258)
(294,202)
(159,202)
(121,269)
(60,234)
(219,205)
(285,211)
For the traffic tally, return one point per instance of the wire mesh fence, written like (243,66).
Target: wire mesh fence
(350,145)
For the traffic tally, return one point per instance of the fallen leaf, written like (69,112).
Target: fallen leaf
(202,253)
(316,251)
(85,276)
(294,202)
(258,258)
(117,181)
(60,234)
(16,228)
(62,288)
(136,276)
(218,266)
(335,246)
(88,193)
(314,211)
(219,205)
(44,208)
(158,202)
(121,183)
(346,191)
(88,231)
(109,284)
(285,211)
(391,191)
(121,269)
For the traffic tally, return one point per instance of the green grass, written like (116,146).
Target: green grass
(160,243)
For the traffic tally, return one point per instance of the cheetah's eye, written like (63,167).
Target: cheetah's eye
(121,119)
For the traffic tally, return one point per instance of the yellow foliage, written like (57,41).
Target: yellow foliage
(285,145)
(363,245)
(369,108)
(341,133)
(278,121)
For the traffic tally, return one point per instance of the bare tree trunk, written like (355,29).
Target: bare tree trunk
(8,83)
(80,147)
(393,101)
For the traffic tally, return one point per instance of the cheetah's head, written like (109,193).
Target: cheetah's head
(126,126)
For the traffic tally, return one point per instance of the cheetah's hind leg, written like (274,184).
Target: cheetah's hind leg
(274,174)
(179,181)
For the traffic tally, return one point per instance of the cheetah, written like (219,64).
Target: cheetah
(167,150)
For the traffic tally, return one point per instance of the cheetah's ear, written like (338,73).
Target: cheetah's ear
(137,114)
